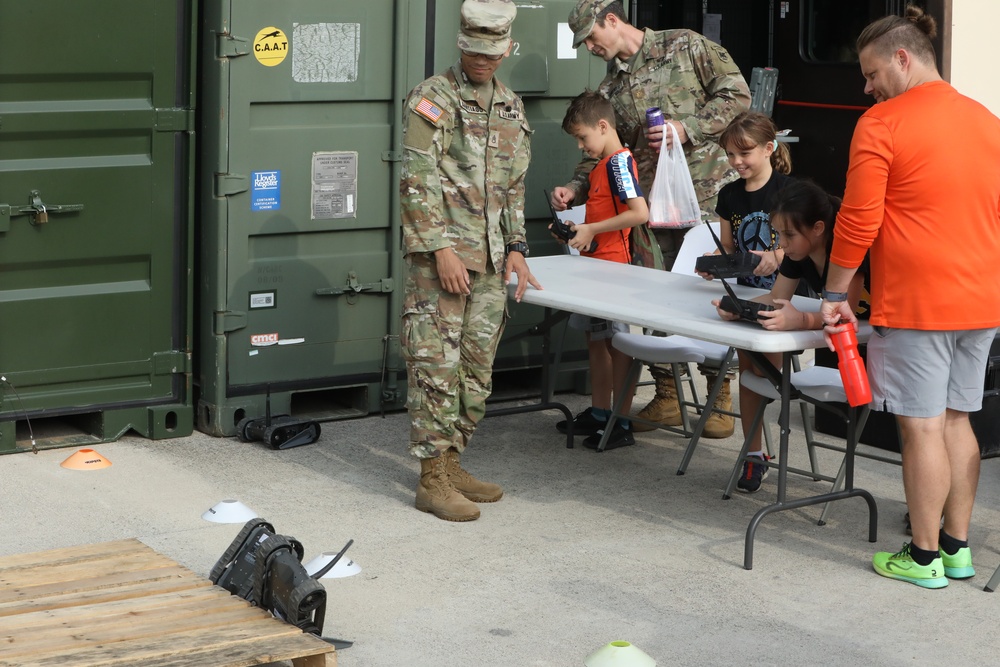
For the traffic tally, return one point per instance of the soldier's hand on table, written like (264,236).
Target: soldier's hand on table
(452,273)
(561,198)
(517,264)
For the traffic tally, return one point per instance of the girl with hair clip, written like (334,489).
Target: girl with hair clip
(802,216)
(752,146)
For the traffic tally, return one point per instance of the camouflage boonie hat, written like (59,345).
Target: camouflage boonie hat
(583,17)
(486,26)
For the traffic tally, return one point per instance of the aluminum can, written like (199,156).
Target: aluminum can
(654,117)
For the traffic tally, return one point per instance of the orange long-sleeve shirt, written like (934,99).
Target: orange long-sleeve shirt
(923,192)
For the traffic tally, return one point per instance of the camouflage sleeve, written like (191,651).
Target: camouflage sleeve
(514,210)
(580,183)
(426,128)
(726,89)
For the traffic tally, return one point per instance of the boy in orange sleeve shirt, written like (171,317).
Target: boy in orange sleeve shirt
(614,205)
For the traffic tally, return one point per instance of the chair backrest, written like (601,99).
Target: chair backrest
(763,87)
(697,241)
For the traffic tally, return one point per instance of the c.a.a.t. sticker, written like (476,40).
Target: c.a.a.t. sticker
(270,46)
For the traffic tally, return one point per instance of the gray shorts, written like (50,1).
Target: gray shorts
(598,328)
(917,373)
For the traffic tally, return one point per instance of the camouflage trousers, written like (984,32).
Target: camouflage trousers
(449,342)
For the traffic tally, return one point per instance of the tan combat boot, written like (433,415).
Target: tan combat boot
(664,407)
(718,425)
(475,490)
(437,495)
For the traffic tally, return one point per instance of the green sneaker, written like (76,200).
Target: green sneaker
(902,566)
(959,564)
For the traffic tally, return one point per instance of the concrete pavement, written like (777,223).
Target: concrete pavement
(583,549)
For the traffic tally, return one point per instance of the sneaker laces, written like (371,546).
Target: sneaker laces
(904,552)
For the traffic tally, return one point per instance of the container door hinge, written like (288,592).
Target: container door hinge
(174,120)
(227,185)
(169,363)
(230,320)
(229,46)
(391,156)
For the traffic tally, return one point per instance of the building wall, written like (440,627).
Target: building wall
(972,62)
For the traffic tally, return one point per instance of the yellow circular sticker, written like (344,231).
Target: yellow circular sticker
(270,46)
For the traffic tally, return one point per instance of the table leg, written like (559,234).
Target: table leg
(713,392)
(549,360)
(781,504)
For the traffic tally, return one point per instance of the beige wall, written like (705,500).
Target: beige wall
(973,64)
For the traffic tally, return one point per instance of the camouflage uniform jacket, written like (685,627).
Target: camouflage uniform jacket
(694,81)
(462,182)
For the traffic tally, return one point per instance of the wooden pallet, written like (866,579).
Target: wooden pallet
(122,603)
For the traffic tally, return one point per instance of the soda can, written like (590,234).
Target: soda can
(654,117)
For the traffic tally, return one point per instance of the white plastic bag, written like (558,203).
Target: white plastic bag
(672,201)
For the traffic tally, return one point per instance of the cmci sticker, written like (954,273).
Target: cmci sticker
(263,340)
(270,46)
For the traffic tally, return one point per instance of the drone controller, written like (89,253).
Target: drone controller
(728,266)
(562,230)
(746,309)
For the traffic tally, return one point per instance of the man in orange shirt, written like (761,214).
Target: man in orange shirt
(923,191)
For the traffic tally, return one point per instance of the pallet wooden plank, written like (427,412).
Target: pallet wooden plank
(121,603)
(156,624)
(322,660)
(303,650)
(97,582)
(143,651)
(23,604)
(71,554)
(135,563)
(30,621)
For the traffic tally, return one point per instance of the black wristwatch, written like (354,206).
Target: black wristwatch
(520,247)
(834,297)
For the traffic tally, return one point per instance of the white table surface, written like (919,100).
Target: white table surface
(659,300)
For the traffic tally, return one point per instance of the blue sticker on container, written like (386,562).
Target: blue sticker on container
(265,194)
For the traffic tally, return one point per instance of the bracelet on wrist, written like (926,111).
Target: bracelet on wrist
(834,297)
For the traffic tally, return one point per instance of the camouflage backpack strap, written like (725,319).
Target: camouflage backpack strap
(645,249)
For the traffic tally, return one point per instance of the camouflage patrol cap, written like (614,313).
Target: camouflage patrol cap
(486,26)
(583,17)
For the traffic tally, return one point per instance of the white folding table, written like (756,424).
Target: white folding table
(679,304)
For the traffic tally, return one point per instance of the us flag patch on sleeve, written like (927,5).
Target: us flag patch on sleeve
(428,110)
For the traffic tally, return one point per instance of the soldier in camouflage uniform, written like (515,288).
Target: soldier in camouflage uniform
(700,90)
(465,153)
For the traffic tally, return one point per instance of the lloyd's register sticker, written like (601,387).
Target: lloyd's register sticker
(265,191)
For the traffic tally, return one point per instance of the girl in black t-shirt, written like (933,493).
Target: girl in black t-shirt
(762,162)
(803,216)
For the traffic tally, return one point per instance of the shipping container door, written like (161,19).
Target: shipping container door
(94,198)
(300,259)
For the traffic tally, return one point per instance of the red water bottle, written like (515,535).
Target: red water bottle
(852,368)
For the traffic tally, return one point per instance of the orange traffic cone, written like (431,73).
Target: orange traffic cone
(86,459)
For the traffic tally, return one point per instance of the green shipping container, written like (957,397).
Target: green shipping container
(300,276)
(96,136)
